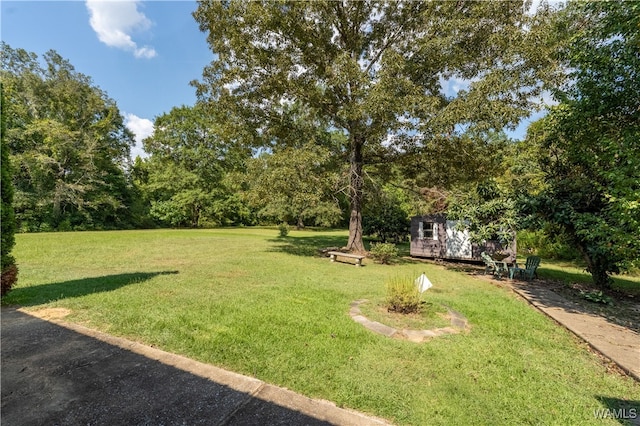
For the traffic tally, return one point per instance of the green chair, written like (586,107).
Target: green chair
(496,268)
(529,270)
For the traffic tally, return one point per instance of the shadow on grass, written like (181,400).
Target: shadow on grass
(623,410)
(311,246)
(307,246)
(625,286)
(563,275)
(44,293)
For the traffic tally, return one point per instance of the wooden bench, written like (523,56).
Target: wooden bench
(336,254)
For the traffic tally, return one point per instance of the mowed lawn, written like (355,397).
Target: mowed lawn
(248,301)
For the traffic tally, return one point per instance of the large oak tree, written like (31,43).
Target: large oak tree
(376,71)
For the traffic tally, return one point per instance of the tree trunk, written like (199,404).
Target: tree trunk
(356,183)
(596,268)
(57,204)
(600,276)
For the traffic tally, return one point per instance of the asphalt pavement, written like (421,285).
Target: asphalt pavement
(56,373)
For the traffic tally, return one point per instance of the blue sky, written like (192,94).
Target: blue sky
(142,54)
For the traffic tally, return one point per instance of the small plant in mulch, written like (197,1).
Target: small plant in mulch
(403,296)
(596,296)
(383,252)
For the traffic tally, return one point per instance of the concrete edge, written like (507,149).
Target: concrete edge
(254,388)
(317,408)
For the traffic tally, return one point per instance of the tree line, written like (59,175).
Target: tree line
(337,114)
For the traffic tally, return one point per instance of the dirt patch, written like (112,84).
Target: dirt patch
(50,313)
(431,316)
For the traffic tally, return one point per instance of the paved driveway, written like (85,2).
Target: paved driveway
(69,375)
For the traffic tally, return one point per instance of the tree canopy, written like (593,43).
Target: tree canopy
(373,70)
(185,178)
(68,143)
(295,185)
(589,143)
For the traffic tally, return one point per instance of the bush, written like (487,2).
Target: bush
(549,247)
(383,252)
(403,296)
(8,278)
(8,268)
(386,220)
(596,297)
(283,228)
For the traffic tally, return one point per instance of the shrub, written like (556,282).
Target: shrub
(283,228)
(8,278)
(548,246)
(386,220)
(596,297)
(8,268)
(383,252)
(403,296)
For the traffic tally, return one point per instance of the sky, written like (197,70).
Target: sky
(143,54)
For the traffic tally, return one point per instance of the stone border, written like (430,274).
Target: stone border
(458,323)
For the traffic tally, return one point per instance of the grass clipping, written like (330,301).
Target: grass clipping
(403,296)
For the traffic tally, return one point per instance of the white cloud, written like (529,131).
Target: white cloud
(142,128)
(451,86)
(547,99)
(535,4)
(114,21)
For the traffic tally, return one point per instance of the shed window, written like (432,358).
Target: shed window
(427,230)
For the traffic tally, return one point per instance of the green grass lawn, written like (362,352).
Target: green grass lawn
(269,307)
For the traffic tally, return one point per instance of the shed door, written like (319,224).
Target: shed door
(458,242)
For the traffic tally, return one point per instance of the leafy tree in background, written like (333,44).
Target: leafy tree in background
(591,140)
(488,208)
(7,220)
(295,185)
(384,216)
(68,143)
(488,203)
(375,72)
(185,178)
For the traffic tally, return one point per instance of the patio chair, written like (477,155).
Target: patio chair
(493,266)
(529,270)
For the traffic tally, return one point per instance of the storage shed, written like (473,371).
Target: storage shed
(434,236)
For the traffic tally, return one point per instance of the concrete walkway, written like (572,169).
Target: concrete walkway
(56,373)
(621,345)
